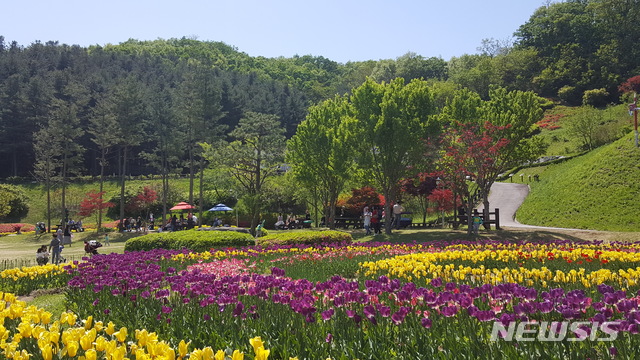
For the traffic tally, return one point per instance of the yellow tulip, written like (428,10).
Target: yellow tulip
(101,343)
(121,335)
(72,348)
(262,354)
(86,341)
(207,353)
(91,354)
(219,355)
(88,323)
(111,328)
(47,352)
(183,348)
(237,355)
(256,342)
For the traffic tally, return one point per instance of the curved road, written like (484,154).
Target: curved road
(508,197)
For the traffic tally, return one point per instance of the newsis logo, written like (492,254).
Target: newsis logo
(555,331)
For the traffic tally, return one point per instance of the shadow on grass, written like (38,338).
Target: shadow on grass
(433,235)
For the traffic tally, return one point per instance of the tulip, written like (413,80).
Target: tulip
(183,348)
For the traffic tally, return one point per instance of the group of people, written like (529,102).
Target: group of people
(292,221)
(55,249)
(176,224)
(373,218)
(131,224)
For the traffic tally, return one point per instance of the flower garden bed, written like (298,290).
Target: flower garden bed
(340,301)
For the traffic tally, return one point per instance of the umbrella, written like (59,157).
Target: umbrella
(221,207)
(182,206)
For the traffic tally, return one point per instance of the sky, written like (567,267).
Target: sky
(346,30)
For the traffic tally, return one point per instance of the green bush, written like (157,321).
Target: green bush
(190,239)
(304,237)
(569,94)
(13,203)
(595,97)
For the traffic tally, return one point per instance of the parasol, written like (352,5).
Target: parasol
(221,207)
(182,206)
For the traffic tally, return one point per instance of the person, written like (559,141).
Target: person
(375,220)
(190,222)
(151,221)
(397,214)
(42,255)
(279,223)
(174,223)
(106,239)
(91,247)
(54,249)
(367,220)
(307,215)
(66,238)
(477,221)
(139,224)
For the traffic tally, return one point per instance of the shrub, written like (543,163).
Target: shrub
(595,97)
(569,94)
(190,239)
(13,203)
(305,237)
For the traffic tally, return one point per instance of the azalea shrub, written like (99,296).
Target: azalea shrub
(189,239)
(305,237)
(6,229)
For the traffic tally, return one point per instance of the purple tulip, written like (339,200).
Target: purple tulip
(449,311)
(426,323)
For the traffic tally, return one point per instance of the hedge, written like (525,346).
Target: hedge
(190,239)
(304,237)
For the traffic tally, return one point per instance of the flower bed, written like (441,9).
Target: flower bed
(375,300)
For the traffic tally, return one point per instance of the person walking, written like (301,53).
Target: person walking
(54,249)
(397,214)
(477,222)
(366,214)
(376,215)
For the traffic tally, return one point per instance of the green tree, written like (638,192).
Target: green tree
(320,153)
(47,150)
(255,155)
(127,103)
(103,129)
(391,121)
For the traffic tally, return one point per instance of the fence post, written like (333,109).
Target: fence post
(498,219)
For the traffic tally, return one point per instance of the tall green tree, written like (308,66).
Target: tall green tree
(199,108)
(255,155)
(103,129)
(128,105)
(320,153)
(513,114)
(47,149)
(391,122)
(65,126)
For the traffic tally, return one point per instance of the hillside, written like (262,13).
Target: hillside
(598,190)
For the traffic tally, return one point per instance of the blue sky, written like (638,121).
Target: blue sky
(347,30)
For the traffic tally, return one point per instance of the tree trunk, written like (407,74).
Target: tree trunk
(122,187)
(201,190)
(387,213)
(191,174)
(102,162)
(48,202)
(469,218)
(485,211)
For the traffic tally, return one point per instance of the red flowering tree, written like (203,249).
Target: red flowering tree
(470,160)
(93,202)
(443,198)
(631,85)
(420,186)
(142,201)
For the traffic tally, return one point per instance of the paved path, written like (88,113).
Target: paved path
(508,197)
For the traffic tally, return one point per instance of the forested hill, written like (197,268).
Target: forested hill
(565,50)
